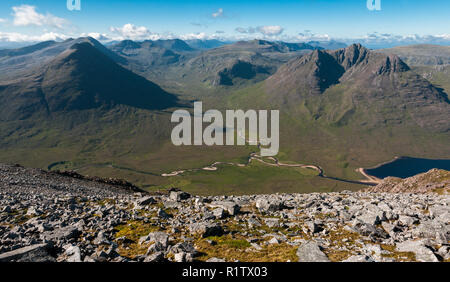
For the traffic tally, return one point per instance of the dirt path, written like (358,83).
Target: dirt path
(369,178)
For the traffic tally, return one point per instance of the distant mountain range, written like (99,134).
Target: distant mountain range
(422,54)
(432,62)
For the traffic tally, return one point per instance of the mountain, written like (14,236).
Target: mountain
(181,68)
(14,45)
(241,63)
(140,56)
(432,62)
(263,46)
(350,108)
(381,88)
(177,45)
(240,70)
(81,77)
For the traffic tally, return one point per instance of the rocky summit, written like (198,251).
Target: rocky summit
(49,216)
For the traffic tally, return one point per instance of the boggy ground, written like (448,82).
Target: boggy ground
(62,217)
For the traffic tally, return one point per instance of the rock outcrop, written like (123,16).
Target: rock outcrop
(52,217)
(435,180)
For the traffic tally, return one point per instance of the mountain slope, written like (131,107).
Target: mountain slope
(351,108)
(246,61)
(79,78)
(17,62)
(205,44)
(147,55)
(430,61)
(435,180)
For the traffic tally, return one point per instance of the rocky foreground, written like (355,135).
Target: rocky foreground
(65,217)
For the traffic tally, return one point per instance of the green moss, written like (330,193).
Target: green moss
(134,229)
(232,249)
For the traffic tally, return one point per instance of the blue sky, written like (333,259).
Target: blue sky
(292,20)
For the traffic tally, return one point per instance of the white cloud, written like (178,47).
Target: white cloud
(200,35)
(270,30)
(130,31)
(267,30)
(2,20)
(218,14)
(96,35)
(248,30)
(19,37)
(308,35)
(26,15)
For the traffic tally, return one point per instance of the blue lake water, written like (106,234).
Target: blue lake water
(406,167)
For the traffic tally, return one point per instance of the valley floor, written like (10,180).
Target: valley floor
(49,216)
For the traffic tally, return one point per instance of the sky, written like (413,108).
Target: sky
(397,22)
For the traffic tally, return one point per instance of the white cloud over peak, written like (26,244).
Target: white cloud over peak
(26,15)
(130,31)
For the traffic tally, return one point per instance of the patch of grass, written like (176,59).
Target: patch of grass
(232,249)
(105,202)
(254,178)
(230,242)
(337,255)
(340,238)
(441,191)
(398,256)
(134,230)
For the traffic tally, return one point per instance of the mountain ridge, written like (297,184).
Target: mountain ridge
(368,78)
(81,77)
